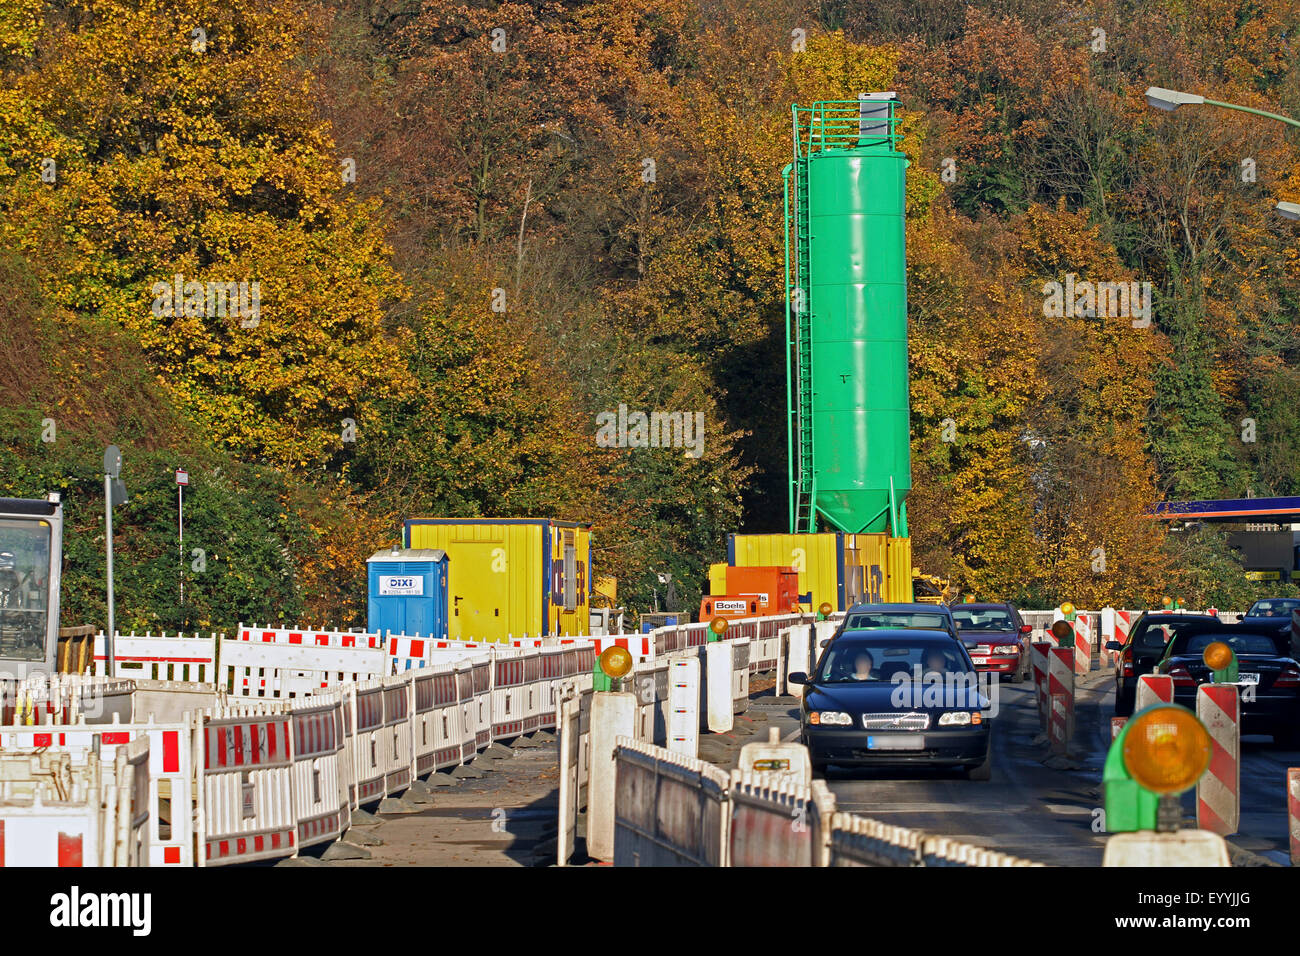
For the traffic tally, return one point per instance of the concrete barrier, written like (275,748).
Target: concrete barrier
(671,810)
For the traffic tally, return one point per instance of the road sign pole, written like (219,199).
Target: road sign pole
(180,536)
(108,544)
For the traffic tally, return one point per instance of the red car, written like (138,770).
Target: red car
(996,638)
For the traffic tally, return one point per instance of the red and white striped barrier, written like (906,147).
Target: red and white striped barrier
(309,636)
(1060,691)
(320,804)
(1038,652)
(284,670)
(406,653)
(246,781)
(440,718)
(169,752)
(1153,689)
(1115,626)
(1116,725)
(1218,792)
(1082,643)
(1293,812)
(159,657)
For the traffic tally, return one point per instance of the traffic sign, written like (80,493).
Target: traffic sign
(182,477)
(112,461)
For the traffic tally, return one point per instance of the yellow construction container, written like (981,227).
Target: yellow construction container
(718,578)
(835,567)
(510,577)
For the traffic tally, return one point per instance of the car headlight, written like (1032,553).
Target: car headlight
(1007,649)
(837,717)
(959,718)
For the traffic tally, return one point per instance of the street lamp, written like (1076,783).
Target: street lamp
(1170,100)
(1164,99)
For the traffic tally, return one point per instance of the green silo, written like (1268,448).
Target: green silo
(846,276)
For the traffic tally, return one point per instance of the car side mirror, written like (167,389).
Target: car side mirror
(1114,646)
(1026,629)
(798,677)
(824,643)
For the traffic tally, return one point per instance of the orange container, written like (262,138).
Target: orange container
(754,592)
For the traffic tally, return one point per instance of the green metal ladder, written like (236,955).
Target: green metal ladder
(804,517)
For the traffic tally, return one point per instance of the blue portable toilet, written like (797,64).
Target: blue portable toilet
(408,592)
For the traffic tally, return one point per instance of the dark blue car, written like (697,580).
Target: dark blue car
(895,698)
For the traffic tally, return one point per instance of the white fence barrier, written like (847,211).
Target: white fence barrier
(159,657)
(670,810)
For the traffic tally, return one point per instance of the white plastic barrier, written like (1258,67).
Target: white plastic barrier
(798,659)
(516,702)
(364,703)
(407,653)
(287,670)
(320,804)
(61,833)
(439,719)
(399,758)
(480,711)
(670,810)
(569,742)
(716,686)
(245,782)
(776,822)
(859,841)
(305,636)
(741,649)
(168,777)
(650,685)
(159,657)
(945,851)
(64,699)
(560,676)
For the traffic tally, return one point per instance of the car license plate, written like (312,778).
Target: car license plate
(895,743)
(980,660)
(1247,678)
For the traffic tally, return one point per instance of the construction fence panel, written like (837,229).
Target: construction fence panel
(670,810)
(321,809)
(281,670)
(246,785)
(159,657)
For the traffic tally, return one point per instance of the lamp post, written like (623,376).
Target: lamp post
(1170,100)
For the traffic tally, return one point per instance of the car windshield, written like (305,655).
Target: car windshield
(1241,643)
(863,620)
(1276,607)
(1154,635)
(859,662)
(988,619)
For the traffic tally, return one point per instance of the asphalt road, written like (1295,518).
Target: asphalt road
(1029,809)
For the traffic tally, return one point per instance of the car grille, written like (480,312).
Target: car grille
(912,721)
(983,649)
